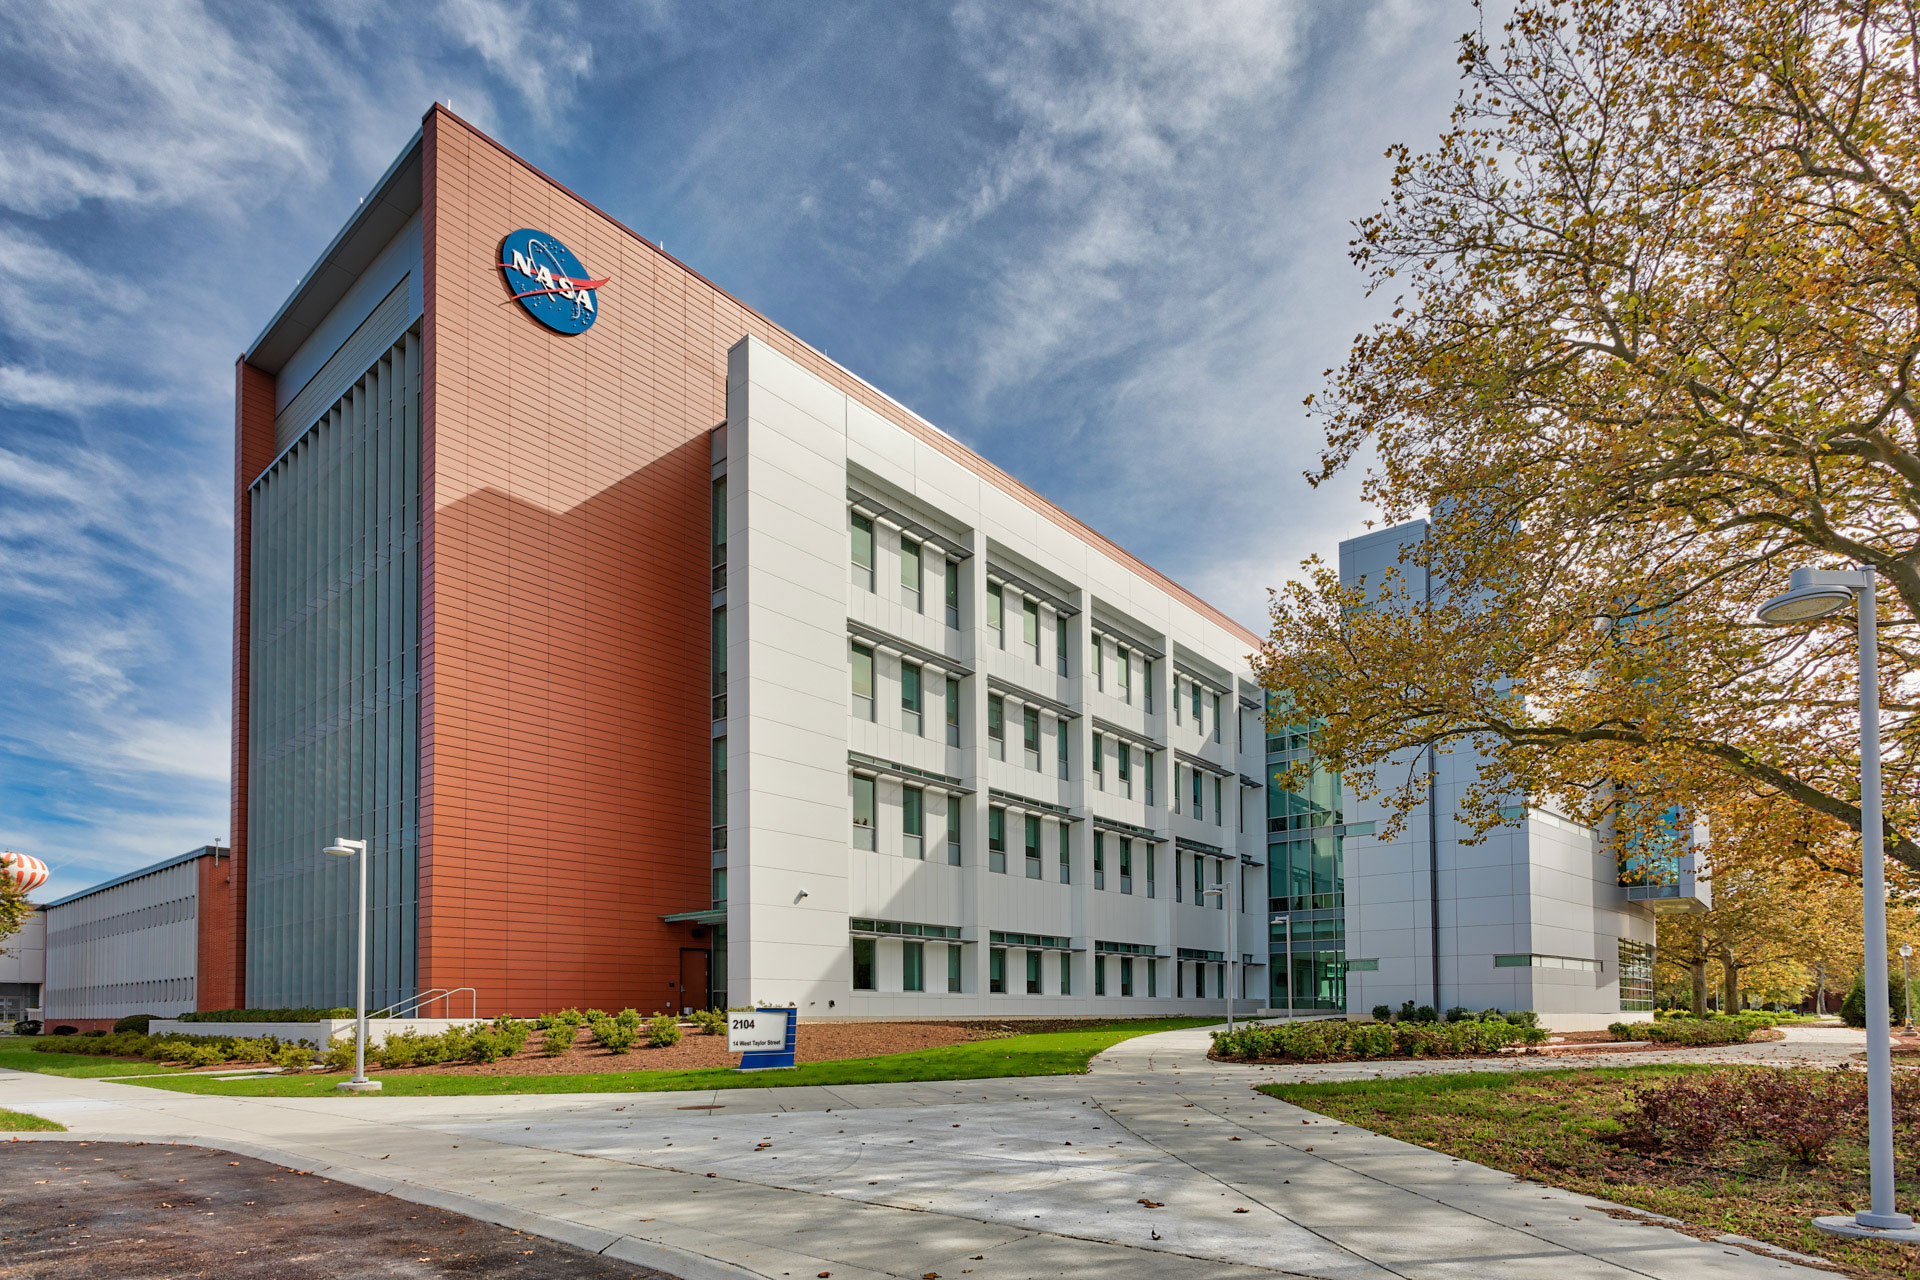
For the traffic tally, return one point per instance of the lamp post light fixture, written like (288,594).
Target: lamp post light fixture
(1233,945)
(343,848)
(1813,594)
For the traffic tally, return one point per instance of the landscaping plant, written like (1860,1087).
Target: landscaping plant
(1334,1041)
(662,1030)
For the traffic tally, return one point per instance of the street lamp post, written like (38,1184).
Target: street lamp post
(1233,945)
(1906,980)
(342,848)
(1812,594)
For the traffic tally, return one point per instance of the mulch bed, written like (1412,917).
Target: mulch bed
(87,1210)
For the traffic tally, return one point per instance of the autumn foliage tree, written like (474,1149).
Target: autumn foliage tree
(1656,308)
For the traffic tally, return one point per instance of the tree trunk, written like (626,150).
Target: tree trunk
(1729,983)
(1820,990)
(1698,966)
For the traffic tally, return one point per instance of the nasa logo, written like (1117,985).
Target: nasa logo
(545,278)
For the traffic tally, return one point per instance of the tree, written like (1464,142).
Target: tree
(14,907)
(1657,312)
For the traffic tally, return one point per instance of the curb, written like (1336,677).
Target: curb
(624,1248)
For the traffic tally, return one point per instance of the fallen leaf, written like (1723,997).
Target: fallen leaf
(1151,1204)
(1241,1211)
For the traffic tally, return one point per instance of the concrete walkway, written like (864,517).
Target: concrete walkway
(1157,1164)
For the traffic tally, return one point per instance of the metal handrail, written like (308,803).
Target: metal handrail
(440,994)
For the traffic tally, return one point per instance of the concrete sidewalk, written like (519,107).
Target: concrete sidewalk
(1157,1164)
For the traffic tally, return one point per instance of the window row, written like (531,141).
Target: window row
(1190,791)
(922,967)
(916,562)
(914,680)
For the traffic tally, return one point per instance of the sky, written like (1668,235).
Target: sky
(1104,244)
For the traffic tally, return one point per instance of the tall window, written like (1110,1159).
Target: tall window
(953,710)
(1066,974)
(910,718)
(996,839)
(1066,858)
(953,597)
(1060,744)
(862,663)
(1179,885)
(1219,806)
(1126,865)
(913,823)
(862,812)
(1033,973)
(1198,722)
(1126,975)
(1099,760)
(997,727)
(1123,670)
(913,972)
(910,574)
(719,664)
(862,551)
(1060,643)
(997,970)
(1030,627)
(1153,978)
(953,833)
(1123,758)
(1148,850)
(1099,975)
(1030,735)
(1216,717)
(720,534)
(1033,847)
(1099,663)
(1199,880)
(997,613)
(1219,882)
(1146,771)
(1198,782)
(863,964)
(1146,681)
(1099,859)
(1176,699)
(719,785)
(953,968)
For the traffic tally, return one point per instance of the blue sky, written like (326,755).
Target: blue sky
(1104,244)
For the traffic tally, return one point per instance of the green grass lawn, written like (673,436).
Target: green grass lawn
(21,1122)
(1549,1126)
(77,1065)
(1052,1053)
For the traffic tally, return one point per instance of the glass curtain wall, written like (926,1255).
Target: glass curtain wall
(335,696)
(1306,877)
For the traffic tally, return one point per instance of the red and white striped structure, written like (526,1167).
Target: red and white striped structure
(31,873)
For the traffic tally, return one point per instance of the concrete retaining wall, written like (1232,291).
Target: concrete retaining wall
(378,1029)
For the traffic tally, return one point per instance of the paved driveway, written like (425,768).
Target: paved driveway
(1157,1164)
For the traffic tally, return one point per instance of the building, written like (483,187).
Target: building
(1538,914)
(23,969)
(136,943)
(664,662)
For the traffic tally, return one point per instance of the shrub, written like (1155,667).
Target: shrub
(1458,1014)
(614,1035)
(1853,1010)
(133,1022)
(1801,1110)
(290,1014)
(1691,1114)
(1383,1013)
(293,1057)
(629,1018)
(1426,1013)
(64,1030)
(1628,1030)
(1406,1012)
(709,1022)
(558,1038)
(662,1030)
(1694,1031)
(339,1055)
(1331,1041)
(1521,1018)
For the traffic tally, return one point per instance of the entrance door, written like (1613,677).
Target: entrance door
(694,982)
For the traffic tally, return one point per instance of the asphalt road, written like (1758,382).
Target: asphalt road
(100,1210)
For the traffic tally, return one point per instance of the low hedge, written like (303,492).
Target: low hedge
(298,1014)
(1691,1031)
(1332,1041)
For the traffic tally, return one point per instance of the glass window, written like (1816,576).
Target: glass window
(1198,781)
(1148,851)
(862,551)
(1179,885)
(1146,771)
(1126,865)
(1198,722)
(910,698)
(953,831)
(1199,882)
(862,812)
(1636,976)
(1177,682)
(1126,975)
(910,573)
(719,791)
(1123,669)
(1099,859)
(1060,744)
(1060,643)
(862,663)
(863,964)
(953,710)
(719,663)
(1099,663)
(1199,982)
(997,970)
(1066,858)
(997,727)
(1124,759)
(1218,806)
(996,839)
(1066,974)
(1033,847)
(1099,760)
(1030,626)
(1216,717)
(1219,882)
(720,534)
(953,968)
(913,806)
(1146,680)
(997,612)
(1030,735)
(1099,975)
(953,593)
(1033,973)
(912,966)
(1153,978)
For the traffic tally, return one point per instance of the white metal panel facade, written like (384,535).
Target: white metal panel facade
(132,947)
